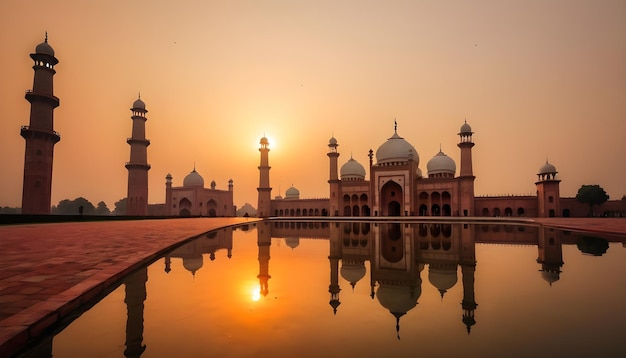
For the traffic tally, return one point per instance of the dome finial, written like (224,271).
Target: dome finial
(395,125)
(46,39)
(440,148)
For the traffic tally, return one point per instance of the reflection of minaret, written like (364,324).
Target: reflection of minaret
(333,258)
(135,296)
(264,241)
(264,189)
(137,197)
(550,254)
(39,134)
(468,268)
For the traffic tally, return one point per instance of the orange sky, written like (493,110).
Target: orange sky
(535,79)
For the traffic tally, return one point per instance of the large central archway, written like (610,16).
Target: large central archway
(391,202)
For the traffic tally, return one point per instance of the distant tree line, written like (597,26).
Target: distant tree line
(82,206)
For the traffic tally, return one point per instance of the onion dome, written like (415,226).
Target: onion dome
(443,277)
(550,276)
(353,271)
(352,170)
(292,242)
(44,48)
(441,165)
(264,141)
(547,168)
(192,263)
(193,179)
(332,142)
(292,193)
(465,129)
(138,104)
(396,149)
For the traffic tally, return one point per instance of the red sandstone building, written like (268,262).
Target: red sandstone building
(396,186)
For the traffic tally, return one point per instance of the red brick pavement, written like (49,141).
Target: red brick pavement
(49,270)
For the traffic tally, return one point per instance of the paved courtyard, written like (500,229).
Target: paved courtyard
(49,270)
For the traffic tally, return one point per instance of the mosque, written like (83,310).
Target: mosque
(397,186)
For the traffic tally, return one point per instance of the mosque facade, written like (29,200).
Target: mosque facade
(396,186)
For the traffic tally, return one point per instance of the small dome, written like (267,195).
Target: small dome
(443,278)
(292,242)
(138,104)
(441,164)
(292,193)
(352,170)
(353,272)
(264,141)
(44,48)
(332,142)
(396,149)
(193,179)
(465,129)
(168,176)
(193,263)
(398,299)
(547,168)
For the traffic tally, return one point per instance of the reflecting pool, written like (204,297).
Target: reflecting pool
(314,289)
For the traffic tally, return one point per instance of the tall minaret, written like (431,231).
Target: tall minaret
(466,177)
(548,196)
(264,241)
(333,179)
(40,135)
(137,198)
(264,189)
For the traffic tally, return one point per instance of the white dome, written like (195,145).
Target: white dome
(353,272)
(193,179)
(138,104)
(192,263)
(547,168)
(396,149)
(292,193)
(443,278)
(398,299)
(44,48)
(352,170)
(465,129)
(441,164)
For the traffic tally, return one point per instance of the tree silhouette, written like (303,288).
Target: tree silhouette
(592,195)
(120,207)
(73,207)
(102,209)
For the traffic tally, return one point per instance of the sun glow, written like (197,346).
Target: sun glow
(256,293)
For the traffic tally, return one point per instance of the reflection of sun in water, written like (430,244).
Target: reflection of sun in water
(256,293)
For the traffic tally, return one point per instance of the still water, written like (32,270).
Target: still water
(279,289)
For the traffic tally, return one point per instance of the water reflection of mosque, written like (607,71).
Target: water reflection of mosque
(397,254)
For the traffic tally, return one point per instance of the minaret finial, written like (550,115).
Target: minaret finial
(139,94)
(194,165)
(46,40)
(395,125)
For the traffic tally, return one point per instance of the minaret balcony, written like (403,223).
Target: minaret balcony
(28,132)
(130,165)
(42,97)
(132,141)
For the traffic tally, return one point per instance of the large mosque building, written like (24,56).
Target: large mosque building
(397,186)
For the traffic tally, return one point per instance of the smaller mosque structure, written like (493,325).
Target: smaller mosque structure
(193,199)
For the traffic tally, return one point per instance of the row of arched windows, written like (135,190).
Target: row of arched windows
(506,212)
(301,212)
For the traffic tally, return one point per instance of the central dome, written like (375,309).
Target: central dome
(396,149)
(292,193)
(352,170)
(138,104)
(193,179)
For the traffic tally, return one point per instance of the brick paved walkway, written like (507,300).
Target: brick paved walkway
(48,270)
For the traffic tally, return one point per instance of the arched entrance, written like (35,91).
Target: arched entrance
(391,199)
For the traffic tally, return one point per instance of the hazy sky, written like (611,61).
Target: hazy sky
(534,79)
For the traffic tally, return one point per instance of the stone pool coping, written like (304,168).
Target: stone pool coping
(47,271)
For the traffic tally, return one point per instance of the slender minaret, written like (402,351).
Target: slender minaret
(548,195)
(466,177)
(333,179)
(40,135)
(135,296)
(137,198)
(168,195)
(333,258)
(264,242)
(264,189)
